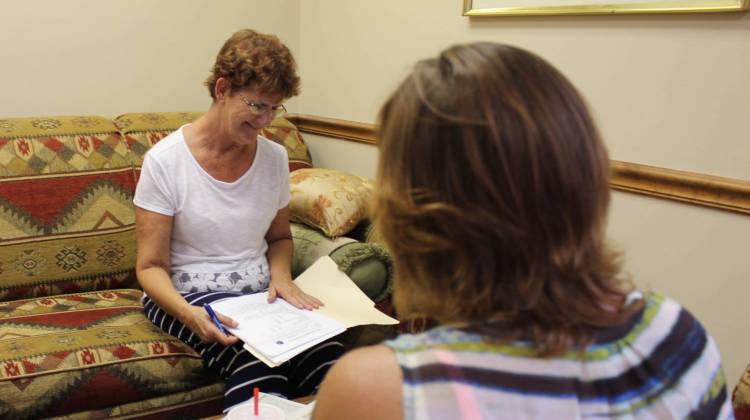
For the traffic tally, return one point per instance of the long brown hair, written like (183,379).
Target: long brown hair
(493,190)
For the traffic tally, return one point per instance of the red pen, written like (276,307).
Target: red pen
(255,398)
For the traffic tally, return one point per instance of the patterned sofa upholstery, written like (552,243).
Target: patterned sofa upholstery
(741,397)
(74,342)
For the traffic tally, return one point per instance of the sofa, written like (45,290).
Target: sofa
(741,396)
(74,342)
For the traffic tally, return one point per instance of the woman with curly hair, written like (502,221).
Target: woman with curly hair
(492,196)
(212,220)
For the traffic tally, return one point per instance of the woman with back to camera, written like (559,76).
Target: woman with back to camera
(492,196)
(212,220)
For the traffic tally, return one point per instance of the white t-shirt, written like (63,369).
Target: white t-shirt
(219,227)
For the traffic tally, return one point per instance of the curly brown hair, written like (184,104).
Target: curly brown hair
(492,196)
(252,59)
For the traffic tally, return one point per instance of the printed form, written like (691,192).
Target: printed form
(276,332)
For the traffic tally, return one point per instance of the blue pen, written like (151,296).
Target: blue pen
(213,316)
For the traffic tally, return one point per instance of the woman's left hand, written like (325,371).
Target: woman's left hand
(289,291)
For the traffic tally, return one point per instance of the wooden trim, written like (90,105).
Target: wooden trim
(331,127)
(689,187)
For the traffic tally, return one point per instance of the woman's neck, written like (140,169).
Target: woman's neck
(210,135)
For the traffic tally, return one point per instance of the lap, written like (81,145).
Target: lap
(240,369)
(328,350)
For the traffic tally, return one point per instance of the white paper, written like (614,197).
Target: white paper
(276,332)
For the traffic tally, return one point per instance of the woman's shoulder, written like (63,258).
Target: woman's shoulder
(671,346)
(273,148)
(378,358)
(167,145)
(662,339)
(444,336)
(365,383)
(664,316)
(661,324)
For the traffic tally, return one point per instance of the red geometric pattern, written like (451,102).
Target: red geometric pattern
(46,199)
(65,233)
(66,214)
(59,153)
(111,356)
(80,319)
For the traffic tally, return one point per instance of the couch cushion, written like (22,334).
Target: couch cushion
(66,216)
(284,132)
(88,351)
(203,402)
(368,265)
(332,201)
(32,146)
(143,130)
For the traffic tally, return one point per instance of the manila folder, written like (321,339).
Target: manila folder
(342,299)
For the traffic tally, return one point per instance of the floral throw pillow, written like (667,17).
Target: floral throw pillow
(329,200)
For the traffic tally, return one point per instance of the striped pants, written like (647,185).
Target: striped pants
(241,371)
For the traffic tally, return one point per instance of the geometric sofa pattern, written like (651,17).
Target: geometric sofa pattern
(66,219)
(73,337)
(74,341)
(66,232)
(92,350)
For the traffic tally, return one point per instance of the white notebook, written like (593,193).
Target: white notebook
(276,332)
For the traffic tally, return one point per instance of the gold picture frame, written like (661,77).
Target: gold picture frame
(599,7)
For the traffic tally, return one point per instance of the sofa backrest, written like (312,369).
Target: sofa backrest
(143,130)
(67,223)
(66,217)
(284,132)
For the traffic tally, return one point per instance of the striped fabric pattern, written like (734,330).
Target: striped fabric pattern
(660,365)
(241,371)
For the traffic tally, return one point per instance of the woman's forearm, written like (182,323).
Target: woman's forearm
(279,256)
(158,286)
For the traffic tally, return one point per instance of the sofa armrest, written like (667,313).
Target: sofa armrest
(367,264)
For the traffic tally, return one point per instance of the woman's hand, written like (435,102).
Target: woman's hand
(289,291)
(203,326)
(279,254)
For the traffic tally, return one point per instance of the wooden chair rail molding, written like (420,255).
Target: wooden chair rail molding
(695,188)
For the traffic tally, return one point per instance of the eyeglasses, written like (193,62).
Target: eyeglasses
(262,109)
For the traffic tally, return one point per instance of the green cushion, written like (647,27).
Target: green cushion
(367,264)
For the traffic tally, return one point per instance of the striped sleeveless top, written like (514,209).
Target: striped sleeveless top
(660,365)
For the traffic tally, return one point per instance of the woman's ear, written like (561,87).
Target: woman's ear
(221,89)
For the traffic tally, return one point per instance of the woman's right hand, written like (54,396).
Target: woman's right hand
(203,326)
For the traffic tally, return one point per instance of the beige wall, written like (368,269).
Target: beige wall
(357,158)
(667,90)
(117,56)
